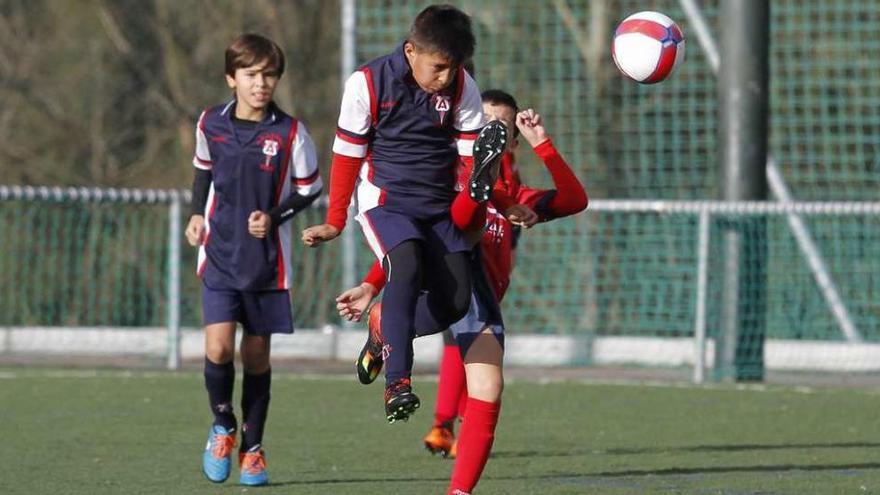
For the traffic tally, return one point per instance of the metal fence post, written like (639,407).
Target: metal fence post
(347,66)
(174,240)
(702,283)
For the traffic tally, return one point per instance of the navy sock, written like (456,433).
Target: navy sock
(254,408)
(220,380)
(403,264)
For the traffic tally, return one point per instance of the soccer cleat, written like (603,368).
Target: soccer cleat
(215,459)
(488,148)
(400,401)
(253,467)
(371,358)
(453,451)
(440,440)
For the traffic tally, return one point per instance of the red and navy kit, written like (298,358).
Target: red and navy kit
(499,238)
(253,168)
(405,144)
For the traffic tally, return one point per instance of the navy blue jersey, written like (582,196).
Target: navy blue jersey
(410,140)
(252,169)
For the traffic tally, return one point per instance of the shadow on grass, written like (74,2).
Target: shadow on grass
(684,449)
(674,471)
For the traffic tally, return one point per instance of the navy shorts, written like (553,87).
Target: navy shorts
(484,312)
(385,229)
(260,313)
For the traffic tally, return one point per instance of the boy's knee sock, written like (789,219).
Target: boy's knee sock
(396,322)
(462,400)
(474,444)
(254,407)
(403,266)
(219,381)
(449,386)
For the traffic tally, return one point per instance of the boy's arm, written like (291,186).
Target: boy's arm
(467,214)
(304,177)
(352,303)
(349,147)
(195,229)
(569,197)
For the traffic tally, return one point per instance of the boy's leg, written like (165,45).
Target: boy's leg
(403,264)
(220,371)
(219,381)
(450,383)
(483,368)
(448,291)
(265,313)
(449,266)
(255,393)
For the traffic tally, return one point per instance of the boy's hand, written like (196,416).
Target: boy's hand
(259,224)
(531,127)
(521,215)
(317,234)
(352,303)
(195,230)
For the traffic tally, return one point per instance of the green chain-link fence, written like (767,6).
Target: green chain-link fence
(602,273)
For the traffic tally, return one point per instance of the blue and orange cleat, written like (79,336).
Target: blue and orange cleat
(215,459)
(253,467)
(371,358)
(488,148)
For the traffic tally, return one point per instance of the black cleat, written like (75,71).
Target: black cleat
(370,360)
(488,149)
(400,401)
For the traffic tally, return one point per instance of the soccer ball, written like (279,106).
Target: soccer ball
(647,46)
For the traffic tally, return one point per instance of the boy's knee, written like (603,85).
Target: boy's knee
(487,390)
(219,353)
(461,303)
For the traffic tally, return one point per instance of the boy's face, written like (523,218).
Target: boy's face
(255,85)
(432,70)
(506,116)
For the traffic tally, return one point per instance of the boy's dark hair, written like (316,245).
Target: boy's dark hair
(443,29)
(250,49)
(500,97)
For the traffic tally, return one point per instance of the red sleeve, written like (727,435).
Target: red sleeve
(376,276)
(570,197)
(501,198)
(343,176)
(466,213)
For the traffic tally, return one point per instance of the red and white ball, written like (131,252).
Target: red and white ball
(647,47)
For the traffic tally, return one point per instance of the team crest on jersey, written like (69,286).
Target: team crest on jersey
(442,104)
(270,143)
(270,147)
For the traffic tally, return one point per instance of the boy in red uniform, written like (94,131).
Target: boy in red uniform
(479,374)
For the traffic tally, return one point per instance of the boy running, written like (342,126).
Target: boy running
(255,169)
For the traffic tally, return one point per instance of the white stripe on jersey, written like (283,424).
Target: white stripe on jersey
(343,147)
(354,115)
(203,256)
(468,114)
(202,155)
(304,164)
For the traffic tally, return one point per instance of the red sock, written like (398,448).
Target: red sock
(451,383)
(474,445)
(462,399)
